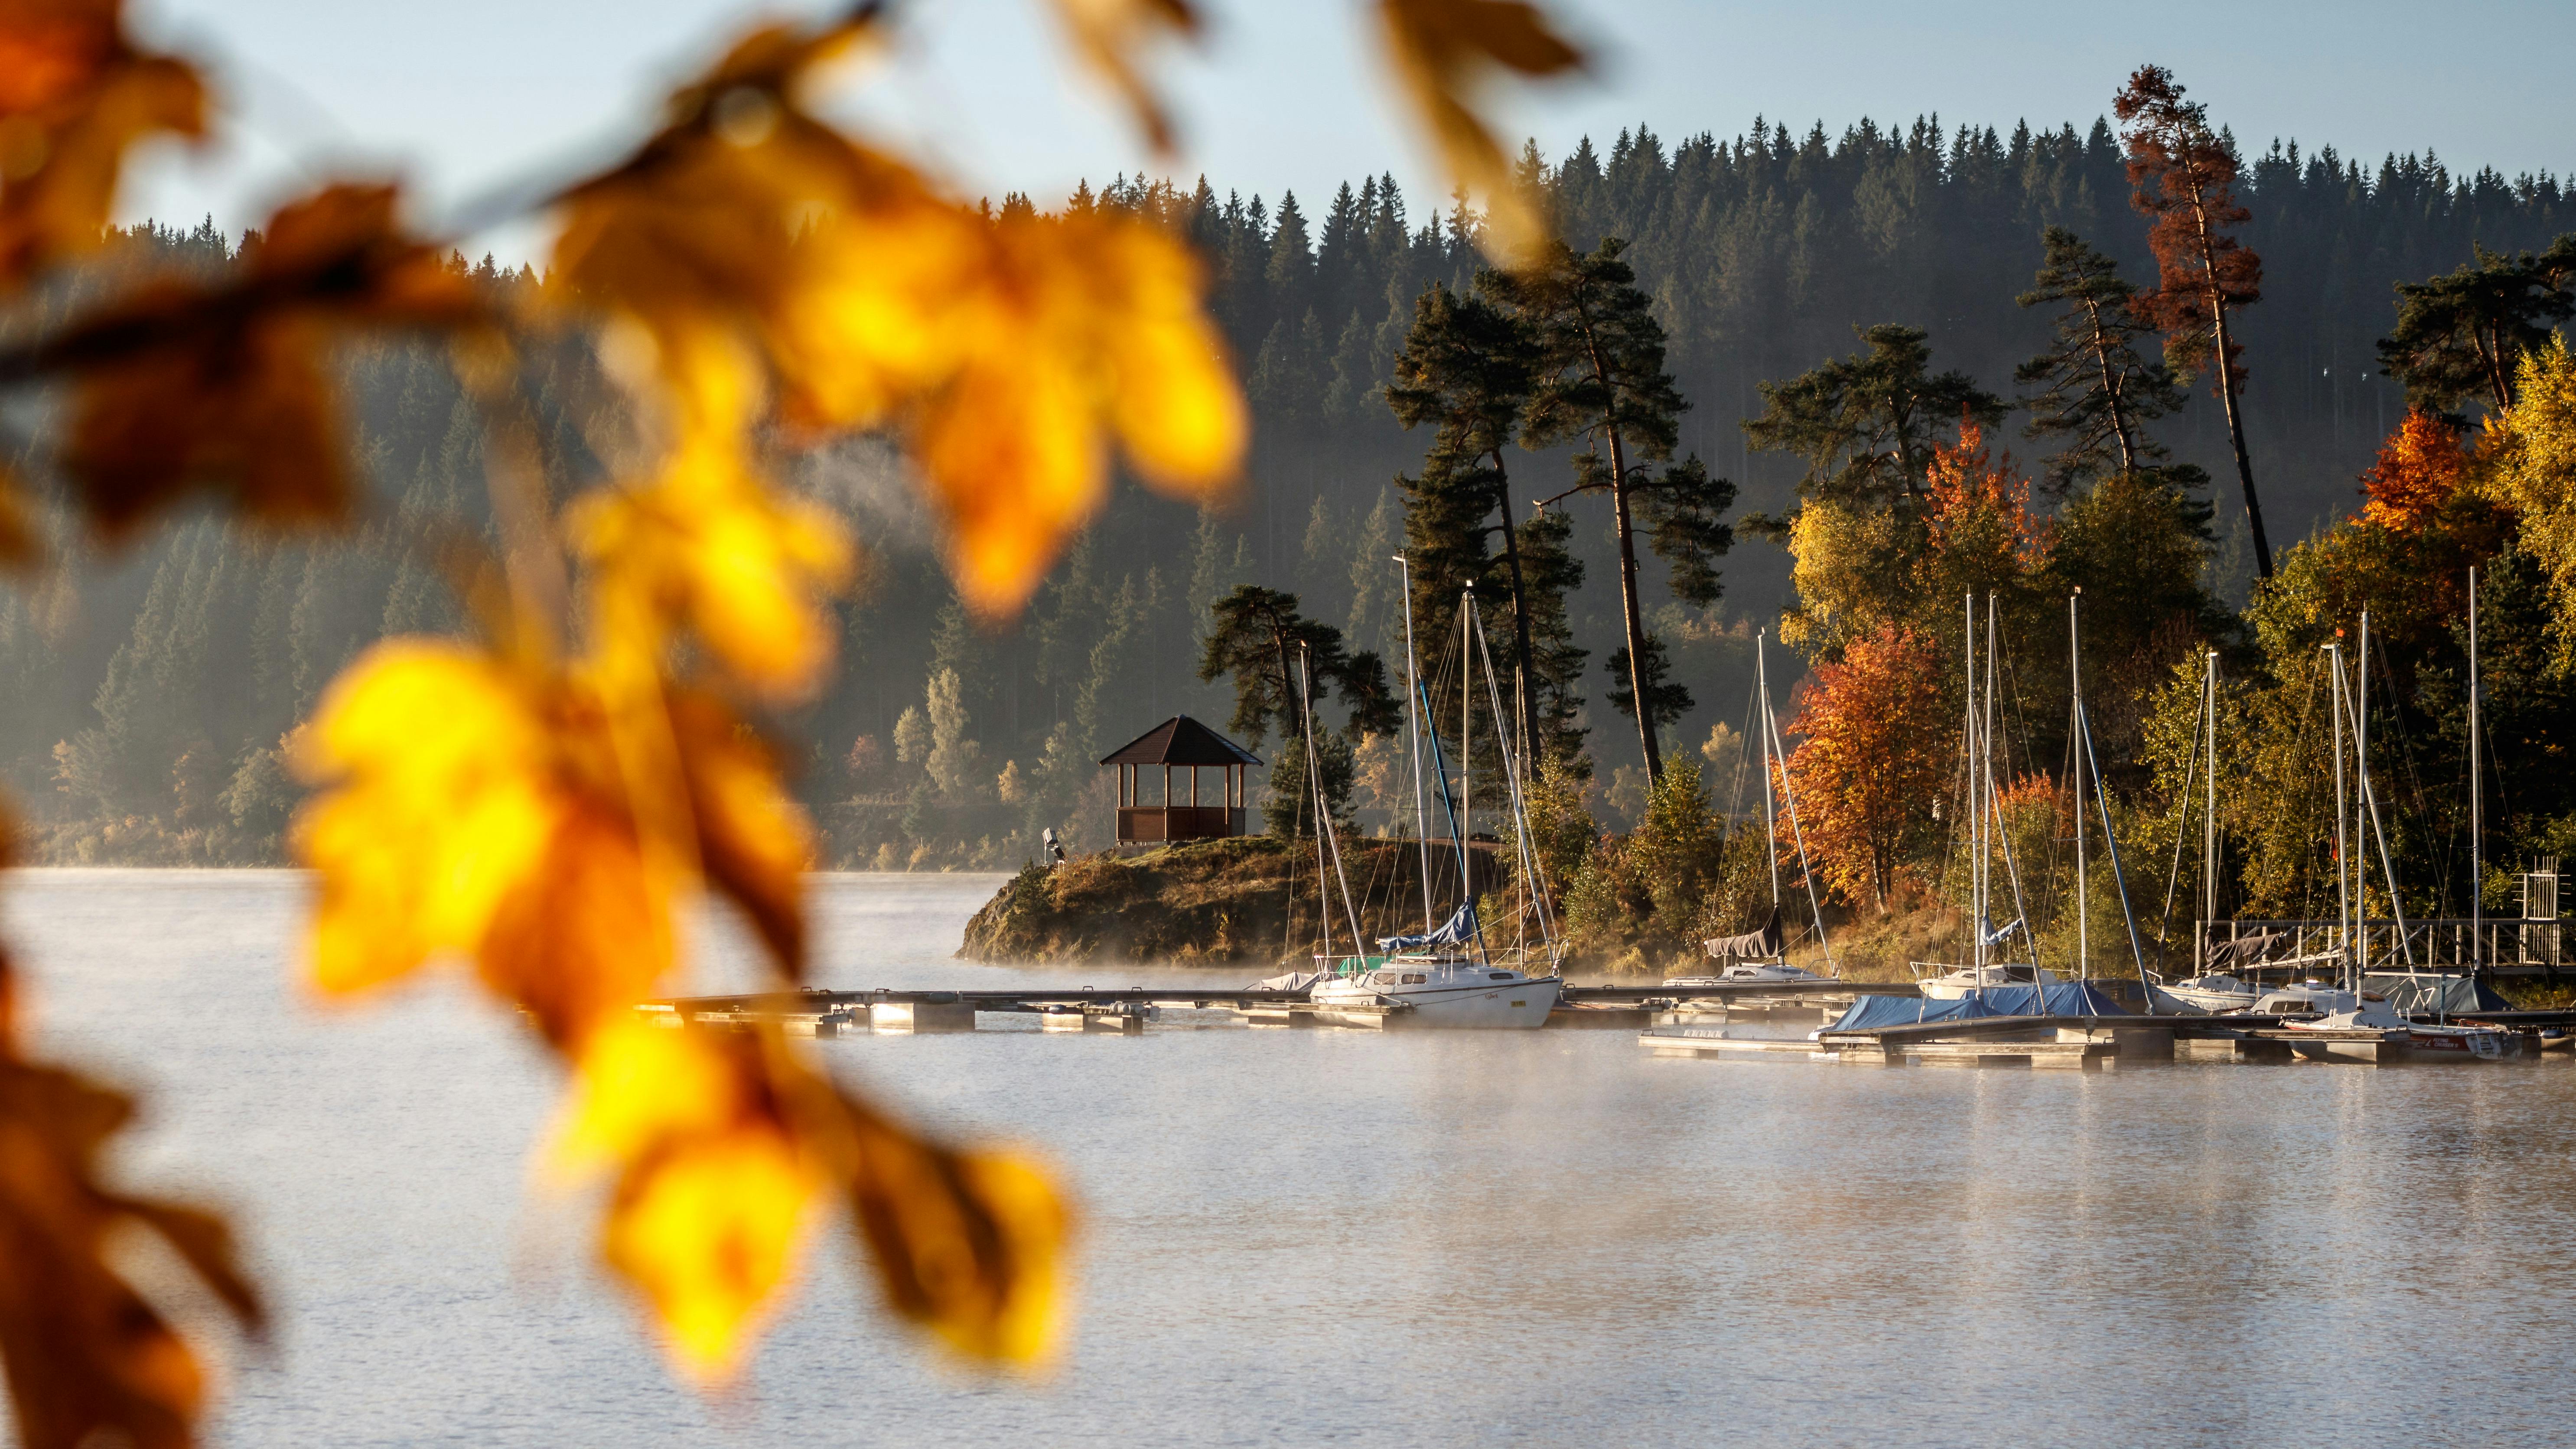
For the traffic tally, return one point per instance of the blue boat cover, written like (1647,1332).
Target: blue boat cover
(1458,930)
(2066,998)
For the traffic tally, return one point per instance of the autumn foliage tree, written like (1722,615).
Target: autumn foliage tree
(2184,176)
(1869,761)
(543,801)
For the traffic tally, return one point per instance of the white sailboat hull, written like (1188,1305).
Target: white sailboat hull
(1520,1005)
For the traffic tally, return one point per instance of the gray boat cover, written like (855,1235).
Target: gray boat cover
(1752,945)
(2243,951)
(2427,993)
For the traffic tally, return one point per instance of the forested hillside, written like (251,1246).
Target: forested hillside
(149,691)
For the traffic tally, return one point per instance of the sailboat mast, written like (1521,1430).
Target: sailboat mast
(1315,782)
(1762,727)
(1413,734)
(1976,809)
(2343,872)
(2209,812)
(1466,739)
(2477,801)
(2083,896)
(2361,797)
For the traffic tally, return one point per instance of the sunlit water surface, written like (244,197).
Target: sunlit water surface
(1308,1237)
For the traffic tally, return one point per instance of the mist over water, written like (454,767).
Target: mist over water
(1297,1237)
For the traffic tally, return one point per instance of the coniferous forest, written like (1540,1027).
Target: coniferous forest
(151,688)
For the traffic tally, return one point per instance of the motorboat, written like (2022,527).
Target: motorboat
(1452,991)
(1955,984)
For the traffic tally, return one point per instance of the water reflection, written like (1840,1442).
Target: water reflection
(1309,1236)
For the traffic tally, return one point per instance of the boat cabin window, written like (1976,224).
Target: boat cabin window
(2016,973)
(1498,976)
(1415,978)
(1382,978)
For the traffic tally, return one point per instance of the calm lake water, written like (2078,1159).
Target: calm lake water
(1312,1237)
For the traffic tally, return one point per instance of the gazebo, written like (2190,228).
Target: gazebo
(1180,743)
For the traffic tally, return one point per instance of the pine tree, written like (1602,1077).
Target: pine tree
(1263,644)
(2096,391)
(2184,176)
(1602,380)
(2464,334)
(1467,369)
(1867,424)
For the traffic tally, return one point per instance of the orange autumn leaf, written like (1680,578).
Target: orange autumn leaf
(714,1188)
(1444,52)
(1109,33)
(90,1360)
(225,386)
(74,94)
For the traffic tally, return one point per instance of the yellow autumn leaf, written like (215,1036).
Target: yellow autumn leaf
(440,804)
(1108,34)
(708,1230)
(707,545)
(1444,52)
(1085,328)
(714,1187)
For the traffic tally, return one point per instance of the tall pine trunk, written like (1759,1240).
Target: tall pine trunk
(1523,673)
(1628,606)
(2227,394)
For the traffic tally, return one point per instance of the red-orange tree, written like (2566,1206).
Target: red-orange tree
(2418,470)
(2184,175)
(1870,761)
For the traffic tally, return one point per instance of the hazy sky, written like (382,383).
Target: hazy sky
(467,95)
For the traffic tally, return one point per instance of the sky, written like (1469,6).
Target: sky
(470,100)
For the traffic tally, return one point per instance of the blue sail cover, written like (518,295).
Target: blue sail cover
(1458,930)
(2066,998)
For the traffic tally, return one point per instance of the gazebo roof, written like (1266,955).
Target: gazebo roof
(1182,740)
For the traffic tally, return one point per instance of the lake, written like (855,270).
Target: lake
(1336,1237)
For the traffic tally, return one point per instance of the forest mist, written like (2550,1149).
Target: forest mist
(150,691)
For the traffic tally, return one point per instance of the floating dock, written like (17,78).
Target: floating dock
(1128,1010)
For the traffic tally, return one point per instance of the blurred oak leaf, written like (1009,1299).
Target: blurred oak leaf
(1011,349)
(714,1188)
(969,1244)
(707,543)
(481,807)
(90,1361)
(74,94)
(724,1144)
(1109,33)
(225,385)
(1444,52)
(1082,328)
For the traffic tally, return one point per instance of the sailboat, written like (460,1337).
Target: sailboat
(1760,955)
(1445,976)
(1985,967)
(2347,1005)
